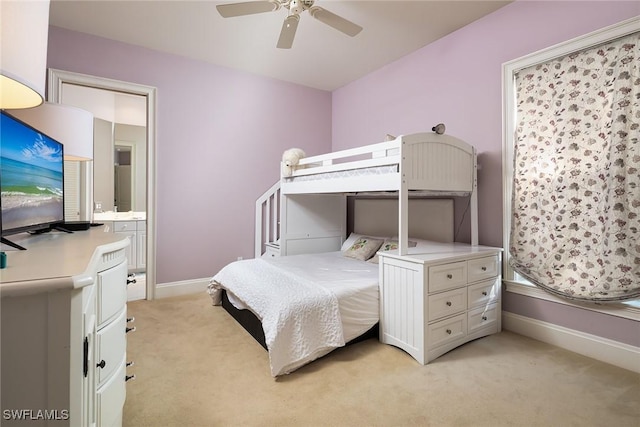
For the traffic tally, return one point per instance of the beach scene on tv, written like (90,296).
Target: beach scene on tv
(31,176)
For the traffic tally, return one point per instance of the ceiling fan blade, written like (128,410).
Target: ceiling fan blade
(247,8)
(288,32)
(335,21)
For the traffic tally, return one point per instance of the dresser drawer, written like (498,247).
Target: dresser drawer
(482,268)
(483,293)
(112,292)
(447,276)
(483,317)
(448,330)
(119,226)
(141,225)
(111,347)
(447,303)
(110,398)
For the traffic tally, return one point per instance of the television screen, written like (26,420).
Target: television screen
(31,178)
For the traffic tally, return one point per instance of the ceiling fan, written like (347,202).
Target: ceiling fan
(290,25)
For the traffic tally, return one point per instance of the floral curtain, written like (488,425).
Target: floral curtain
(576,189)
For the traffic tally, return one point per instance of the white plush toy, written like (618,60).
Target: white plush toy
(290,160)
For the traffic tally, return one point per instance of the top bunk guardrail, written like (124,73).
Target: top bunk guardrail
(424,161)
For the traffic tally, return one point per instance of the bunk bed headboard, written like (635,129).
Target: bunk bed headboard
(430,219)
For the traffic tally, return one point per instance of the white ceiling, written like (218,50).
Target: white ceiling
(321,57)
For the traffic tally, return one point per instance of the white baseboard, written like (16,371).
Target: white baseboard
(603,349)
(184,287)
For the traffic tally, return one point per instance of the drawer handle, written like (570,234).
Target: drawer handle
(129,377)
(484,317)
(449,276)
(449,303)
(102,364)
(130,281)
(484,293)
(130,319)
(449,331)
(130,364)
(484,268)
(127,330)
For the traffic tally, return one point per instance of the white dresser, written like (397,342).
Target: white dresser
(64,330)
(433,302)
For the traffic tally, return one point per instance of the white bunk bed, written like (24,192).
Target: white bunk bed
(306,213)
(420,164)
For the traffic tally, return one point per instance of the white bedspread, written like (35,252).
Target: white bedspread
(301,301)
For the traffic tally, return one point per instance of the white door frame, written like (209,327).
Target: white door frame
(56,78)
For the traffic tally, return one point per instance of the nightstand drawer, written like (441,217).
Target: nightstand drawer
(448,330)
(447,276)
(482,268)
(447,303)
(483,317)
(483,293)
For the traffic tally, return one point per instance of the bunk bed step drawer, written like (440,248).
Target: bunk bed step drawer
(447,276)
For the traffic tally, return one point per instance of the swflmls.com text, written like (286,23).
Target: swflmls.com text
(35,414)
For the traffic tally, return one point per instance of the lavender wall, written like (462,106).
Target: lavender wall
(220,135)
(457,80)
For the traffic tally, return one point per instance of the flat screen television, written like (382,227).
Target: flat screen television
(31,179)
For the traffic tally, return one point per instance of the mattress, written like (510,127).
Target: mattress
(353,282)
(309,304)
(349,173)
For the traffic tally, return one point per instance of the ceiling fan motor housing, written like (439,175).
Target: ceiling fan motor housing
(299,6)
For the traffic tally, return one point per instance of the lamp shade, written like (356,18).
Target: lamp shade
(24,34)
(68,125)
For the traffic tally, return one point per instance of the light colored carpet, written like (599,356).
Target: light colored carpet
(195,366)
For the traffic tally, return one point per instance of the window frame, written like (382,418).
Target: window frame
(512,281)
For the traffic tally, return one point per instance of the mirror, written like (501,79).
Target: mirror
(120,140)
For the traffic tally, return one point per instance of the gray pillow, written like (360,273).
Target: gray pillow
(363,248)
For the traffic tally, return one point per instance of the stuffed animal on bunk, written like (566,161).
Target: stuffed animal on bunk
(291,159)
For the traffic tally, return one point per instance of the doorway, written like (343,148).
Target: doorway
(57,81)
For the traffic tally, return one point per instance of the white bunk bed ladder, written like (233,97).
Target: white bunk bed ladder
(267,219)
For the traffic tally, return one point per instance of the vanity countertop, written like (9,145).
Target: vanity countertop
(119,216)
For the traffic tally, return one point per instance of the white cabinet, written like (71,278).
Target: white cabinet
(63,320)
(141,244)
(433,302)
(136,231)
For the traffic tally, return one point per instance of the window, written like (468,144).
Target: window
(510,70)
